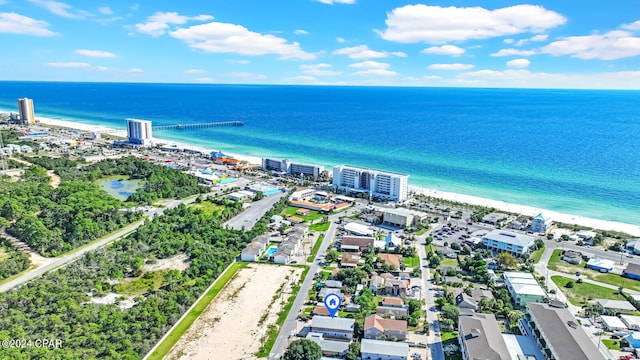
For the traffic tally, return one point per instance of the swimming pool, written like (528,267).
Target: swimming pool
(271,250)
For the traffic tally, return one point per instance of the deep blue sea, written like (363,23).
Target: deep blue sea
(571,151)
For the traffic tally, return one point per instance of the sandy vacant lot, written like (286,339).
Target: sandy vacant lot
(231,328)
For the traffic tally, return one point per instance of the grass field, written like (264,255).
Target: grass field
(611,344)
(536,255)
(208,207)
(186,322)
(320,226)
(583,293)
(291,211)
(451,338)
(421,232)
(448,262)
(556,264)
(149,281)
(412,261)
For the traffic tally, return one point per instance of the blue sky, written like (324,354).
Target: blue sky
(486,43)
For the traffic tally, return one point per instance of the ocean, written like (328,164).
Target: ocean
(570,151)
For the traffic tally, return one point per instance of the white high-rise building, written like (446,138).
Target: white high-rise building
(139,131)
(25,108)
(377,183)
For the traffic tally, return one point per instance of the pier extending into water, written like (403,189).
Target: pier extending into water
(196,126)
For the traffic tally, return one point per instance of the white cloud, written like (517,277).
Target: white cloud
(331,2)
(105,10)
(363,52)
(456,66)
(518,63)
(300,32)
(369,64)
(508,41)
(59,8)
(158,23)
(246,76)
(444,50)
(436,24)
(319,70)
(12,23)
(195,71)
(375,72)
(243,62)
(102,68)
(135,71)
(539,37)
(634,26)
(340,40)
(511,52)
(69,65)
(432,77)
(616,44)
(96,53)
(218,37)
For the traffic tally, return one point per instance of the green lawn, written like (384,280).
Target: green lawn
(320,226)
(536,255)
(421,232)
(614,279)
(582,293)
(412,261)
(428,249)
(208,207)
(186,322)
(291,211)
(448,262)
(315,249)
(450,338)
(611,344)
(149,281)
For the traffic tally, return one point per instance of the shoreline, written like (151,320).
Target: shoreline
(631,229)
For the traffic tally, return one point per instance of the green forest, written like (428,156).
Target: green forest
(12,260)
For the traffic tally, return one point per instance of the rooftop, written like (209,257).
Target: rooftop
(482,337)
(568,341)
(389,348)
(371,170)
(382,324)
(509,237)
(616,304)
(335,323)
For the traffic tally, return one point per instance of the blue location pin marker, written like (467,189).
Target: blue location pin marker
(332,302)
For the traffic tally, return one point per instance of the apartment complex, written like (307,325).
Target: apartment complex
(139,131)
(376,183)
(25,108)
(500,241)
(523,288)
(480,338)
(559,335)
(292,168)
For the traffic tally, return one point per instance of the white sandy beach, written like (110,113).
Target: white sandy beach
(630,229)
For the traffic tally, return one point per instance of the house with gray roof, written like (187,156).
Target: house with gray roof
(559,335)
(333,327)
(330,348)
(480,338)
(388,350)
(506,241)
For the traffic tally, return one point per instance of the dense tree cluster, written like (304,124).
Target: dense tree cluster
(58,304)
(12,260)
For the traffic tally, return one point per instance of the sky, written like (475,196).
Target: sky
(481,43)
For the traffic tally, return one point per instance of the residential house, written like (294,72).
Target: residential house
(585,234)
(383,350)
(464,301)
(504,241)
(284,253)
(632,322)
(376,283)
(395,287)
(356,243)
(392,302)
(633,245)
(632,271)
(251,252)
(402,217)
(615,307)
(541,223)
(494,218)
(572,257)
(320,310)
(330,348)
(523,288)
(602,265)
(336,284)
(480,338)
(376,327)
(326,291)
(613,323)
(295,219)
(521,223)
(392,241)
(391,260)
(395,312)
(333,327)
(558,333)
(350,260)
(452,280)
(633,338)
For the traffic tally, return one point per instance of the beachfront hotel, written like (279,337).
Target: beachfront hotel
(139,131)
(376,183)
(25,108)
(291,168)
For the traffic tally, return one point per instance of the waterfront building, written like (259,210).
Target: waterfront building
(402,217)
(139,131)
(291,168)
(541,224)
(25,108)
(500,241)
(558,333)
(523,288)
(375,183)
(480,338)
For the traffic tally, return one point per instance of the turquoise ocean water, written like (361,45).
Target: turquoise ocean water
(571,151)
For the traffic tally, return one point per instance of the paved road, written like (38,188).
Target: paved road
(289,326)
(58,262)
(434,340)
(248,218)
(610,255)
